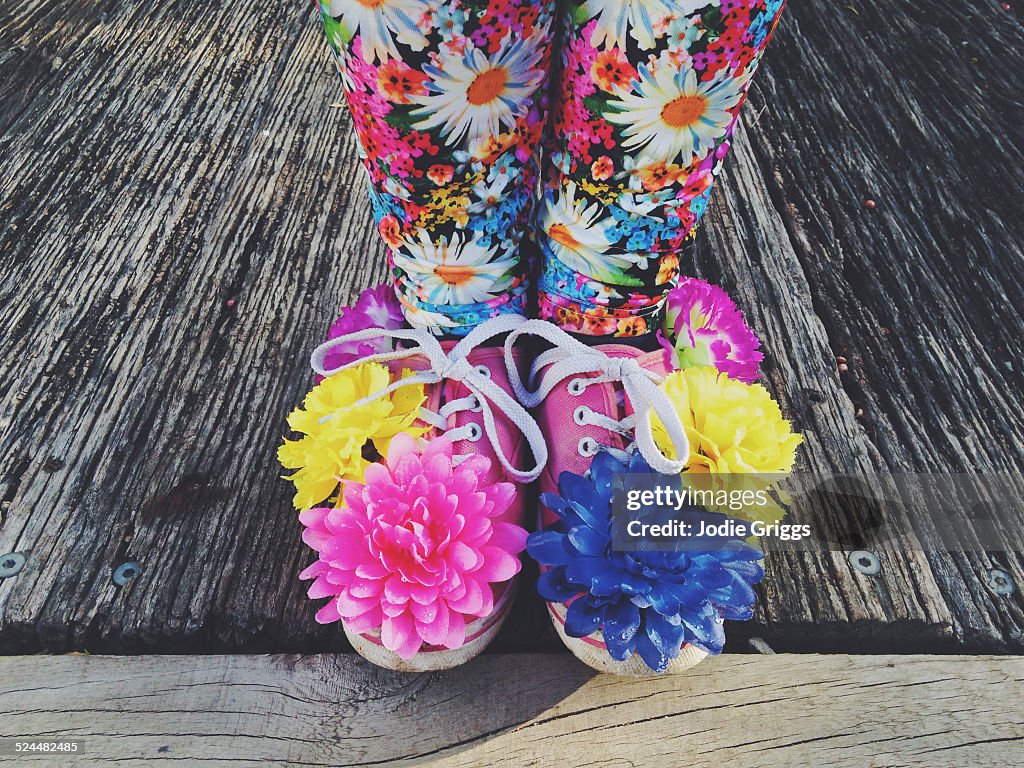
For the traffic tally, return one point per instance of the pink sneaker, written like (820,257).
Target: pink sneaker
(421,562)
(591,399)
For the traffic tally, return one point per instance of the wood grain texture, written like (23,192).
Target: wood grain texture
(917,108)
(814,600)
(181,214)
(184,162)
(509,710)
(181,162)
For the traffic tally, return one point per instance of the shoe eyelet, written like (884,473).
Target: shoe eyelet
(587,447)
(477,405)
(475,433)
(576,387)
(580,415)
(484,371)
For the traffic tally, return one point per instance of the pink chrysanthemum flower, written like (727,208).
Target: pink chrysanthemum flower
(415,548)
(376,307)
(704,327)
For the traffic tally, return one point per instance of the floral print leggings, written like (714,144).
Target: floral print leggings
(575,146)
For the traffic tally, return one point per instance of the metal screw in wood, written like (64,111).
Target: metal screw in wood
(125,572)
(865,562)
(11,564)
(1000,582)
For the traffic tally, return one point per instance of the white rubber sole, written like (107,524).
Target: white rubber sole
(432,658)
(592,652)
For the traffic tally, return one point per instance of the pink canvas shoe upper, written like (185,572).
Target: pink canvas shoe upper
(490,363)
(469,401)
(588,398)
(460,410)
(570,409)
(469,397)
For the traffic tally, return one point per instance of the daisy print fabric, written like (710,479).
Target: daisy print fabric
(649,95)
(449,103)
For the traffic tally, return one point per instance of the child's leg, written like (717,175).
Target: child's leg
(650,93)
(448,101)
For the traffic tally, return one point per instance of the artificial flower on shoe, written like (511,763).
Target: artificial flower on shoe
(414,549)
(376,307)
(339,419)
(648,602)
(732,427)
(703,327)
(739,440)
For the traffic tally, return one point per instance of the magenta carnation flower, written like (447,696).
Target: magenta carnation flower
(376,307)
(415,548)
(704,327)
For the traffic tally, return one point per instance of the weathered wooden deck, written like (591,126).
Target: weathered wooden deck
(181,214)
(180,217)
(519,710)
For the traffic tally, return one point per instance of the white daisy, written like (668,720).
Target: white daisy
(638,205)
(375,21)
(418,317)
(456,272)
(490,194)
(475,94)
(578,239)
(673,115)
(638,17)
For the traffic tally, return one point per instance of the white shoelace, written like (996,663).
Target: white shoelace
(572,358)
(485,394)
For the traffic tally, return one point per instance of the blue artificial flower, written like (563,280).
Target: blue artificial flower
(648,602)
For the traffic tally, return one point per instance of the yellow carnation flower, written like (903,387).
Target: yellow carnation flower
(335,431)
(733,429)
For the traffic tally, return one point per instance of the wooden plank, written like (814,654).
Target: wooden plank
(182,163)
(185,161)
(813,600)
(501,710)
(915,107)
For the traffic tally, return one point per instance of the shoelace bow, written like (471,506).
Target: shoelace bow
(572,358)
(486,396)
